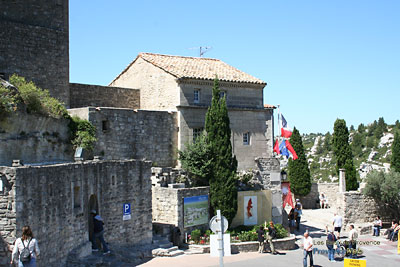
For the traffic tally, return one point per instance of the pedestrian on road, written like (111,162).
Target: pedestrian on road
(330,242)
(353,235)
(377,226)
(297,214)
(26,249)
(98,233)
(270,236)
(260,234)
(291,220)
(307,244)
(337,223)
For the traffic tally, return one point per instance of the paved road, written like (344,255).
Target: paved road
(383,254)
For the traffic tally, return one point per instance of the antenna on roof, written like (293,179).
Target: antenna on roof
(203,49)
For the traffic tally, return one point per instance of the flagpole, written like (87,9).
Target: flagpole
(279,125)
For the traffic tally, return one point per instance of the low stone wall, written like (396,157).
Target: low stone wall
(288,243)
(330,190)
(55,200)
(87,95)
(33,139)
(168,205)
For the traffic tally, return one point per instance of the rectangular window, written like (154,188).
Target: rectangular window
(246,139)
(196,133)
(77,197)
(196,96)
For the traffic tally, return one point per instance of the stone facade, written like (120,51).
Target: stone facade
(34,43)
(137,134)
(34,139)
(87,95)
(330,190)
(55,200)
(160,90)
(168,205)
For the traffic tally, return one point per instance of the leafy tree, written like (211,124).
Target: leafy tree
(357,144)
(343,153)
(361,128)
(395,159)
(223,182)
(298,171)
(320,148)
(397,124)
(372,128)
(196,161)
(385,189)
(370,142)
(327,142)
(382,124)
(351,128)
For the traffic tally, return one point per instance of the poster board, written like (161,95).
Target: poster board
(195,210)
(354,263)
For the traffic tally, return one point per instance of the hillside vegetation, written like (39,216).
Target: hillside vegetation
(370,144)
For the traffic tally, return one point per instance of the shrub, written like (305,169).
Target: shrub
(195,235)
(82,133)
(281,232)
(8,101)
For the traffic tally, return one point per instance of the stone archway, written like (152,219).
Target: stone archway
(93,205)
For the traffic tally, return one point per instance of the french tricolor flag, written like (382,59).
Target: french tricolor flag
(285,131)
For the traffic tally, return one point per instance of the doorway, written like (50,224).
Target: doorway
(93,205)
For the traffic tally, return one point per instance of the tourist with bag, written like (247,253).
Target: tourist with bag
(330,244)
(26,249)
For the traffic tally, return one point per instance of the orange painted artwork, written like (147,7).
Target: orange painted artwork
(249,207)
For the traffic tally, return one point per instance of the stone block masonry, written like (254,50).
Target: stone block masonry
(34,43)
(127,133)
(55,201)
(85,95)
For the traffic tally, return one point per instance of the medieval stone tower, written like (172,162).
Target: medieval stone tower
(34,43)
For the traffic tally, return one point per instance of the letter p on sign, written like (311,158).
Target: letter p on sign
(126,211)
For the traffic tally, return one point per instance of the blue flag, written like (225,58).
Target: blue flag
(284,122)
(282,148)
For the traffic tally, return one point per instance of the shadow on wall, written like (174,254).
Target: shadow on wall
(5,254)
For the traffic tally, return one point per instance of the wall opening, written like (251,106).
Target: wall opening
(93,205)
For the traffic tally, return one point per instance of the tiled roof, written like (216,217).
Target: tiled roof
(197,68)
(269,106)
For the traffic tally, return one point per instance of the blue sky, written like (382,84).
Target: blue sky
(322,60)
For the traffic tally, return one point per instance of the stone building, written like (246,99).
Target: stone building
(34,43)
(184,85)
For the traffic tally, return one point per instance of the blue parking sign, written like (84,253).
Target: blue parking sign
(126,211)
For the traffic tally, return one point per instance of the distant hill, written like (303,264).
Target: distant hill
(371,146)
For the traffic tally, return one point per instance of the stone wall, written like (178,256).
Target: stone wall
(330,190)
(168,205)
(34,139)
(358,209)
(34,43)
(55,200)
(138,134)
(85,95)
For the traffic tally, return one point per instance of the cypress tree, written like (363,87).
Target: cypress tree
(298,171)
(395,159)
(223,182)
(344,156)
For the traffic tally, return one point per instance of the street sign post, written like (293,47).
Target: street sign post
(219,224)
(126,212)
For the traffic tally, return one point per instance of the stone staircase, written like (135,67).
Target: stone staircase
(162,247)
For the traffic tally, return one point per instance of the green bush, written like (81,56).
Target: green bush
(8,101)
(82,133)
(281,232)
(195,235)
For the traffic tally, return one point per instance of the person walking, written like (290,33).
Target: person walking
(98,233)
(26,248)
(330,242)
(307,244)
(260,236)
(297,215)
(270,236)
(337,223)
(353,235)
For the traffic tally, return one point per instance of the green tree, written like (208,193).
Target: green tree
(351,128)
(372,128)
(344,156)
(196,161)
(298,171)
(361,128)
(385,189)
(395,159)
(357,144)
(223,181)
(327,142)
(397,124)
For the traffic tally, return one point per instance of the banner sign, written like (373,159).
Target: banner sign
(195,210)
(126,211)
(250,210)
(354,263)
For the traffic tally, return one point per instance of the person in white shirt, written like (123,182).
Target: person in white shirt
(308,247)
(337,223)
(322,200)
(377,226)
(353,235)
(26,241)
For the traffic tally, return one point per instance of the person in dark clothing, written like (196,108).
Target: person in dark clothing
(98,233)
(260,234)
(271,235)
(331,239)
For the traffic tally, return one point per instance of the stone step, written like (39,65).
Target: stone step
(171,252)
(171,249)
(176,253)
(165,245)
